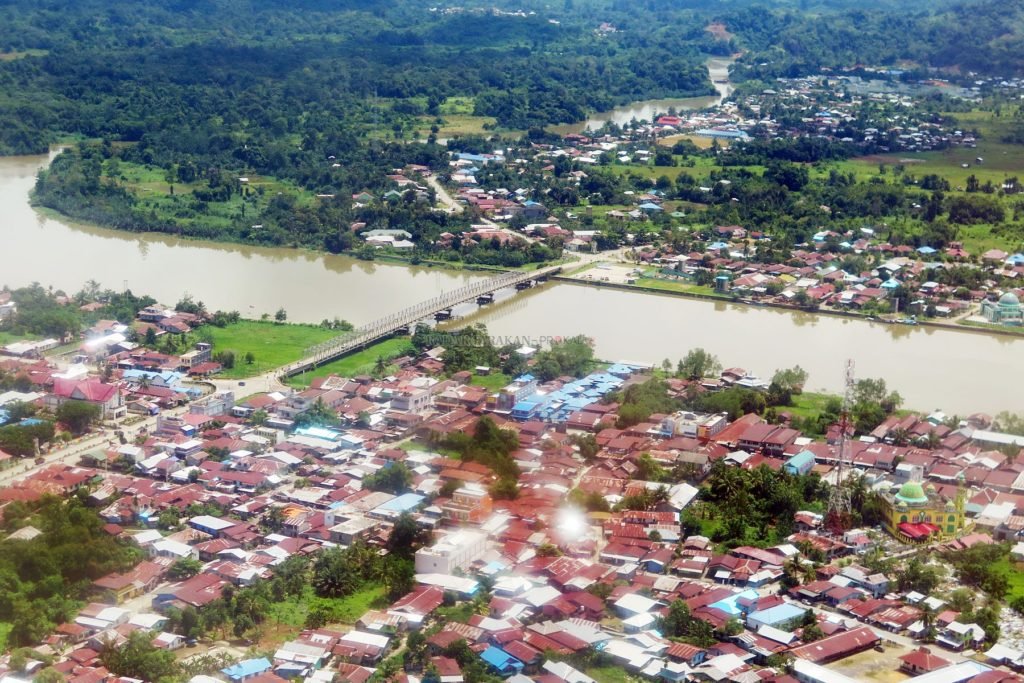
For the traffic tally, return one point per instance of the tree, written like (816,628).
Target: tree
(406,536)
(281,315)
(392,478)
(811,633)
(791,379)
(697,364)
(78,415)
(249,358)
(185,568)
(139,658)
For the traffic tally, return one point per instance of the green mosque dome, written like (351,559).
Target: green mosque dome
(912,493)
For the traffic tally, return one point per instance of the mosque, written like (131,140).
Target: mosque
(917,513)
(1007,311)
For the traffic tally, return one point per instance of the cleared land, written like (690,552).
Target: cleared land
(272,344)
(359,363)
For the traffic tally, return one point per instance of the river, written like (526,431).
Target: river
(646,110)
(251,280)
(958,372)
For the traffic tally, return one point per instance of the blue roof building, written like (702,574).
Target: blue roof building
(246,669)
(501,662)
(775,616)
(403,503)
(801,463)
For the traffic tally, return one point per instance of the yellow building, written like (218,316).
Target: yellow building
(917,513)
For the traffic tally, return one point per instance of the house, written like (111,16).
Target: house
(501,662)
(247,669)
(838,646)
(107,397)
(921,661)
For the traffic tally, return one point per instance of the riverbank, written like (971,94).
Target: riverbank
(974,328)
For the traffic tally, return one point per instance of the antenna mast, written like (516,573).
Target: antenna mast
(839,505)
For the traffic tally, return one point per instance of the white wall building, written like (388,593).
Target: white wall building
(455,551)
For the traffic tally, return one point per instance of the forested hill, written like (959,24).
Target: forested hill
(986,37)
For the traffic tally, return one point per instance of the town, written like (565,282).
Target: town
(585,521)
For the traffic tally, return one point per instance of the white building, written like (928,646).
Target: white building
(455,551)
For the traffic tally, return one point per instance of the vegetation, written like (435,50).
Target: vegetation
(270,344)
(752,507)
(363,362)
(44,579)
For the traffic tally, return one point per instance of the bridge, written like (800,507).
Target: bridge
(477,292)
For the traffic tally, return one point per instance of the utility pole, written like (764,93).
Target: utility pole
(837,519)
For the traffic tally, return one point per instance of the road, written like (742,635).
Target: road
(450,205)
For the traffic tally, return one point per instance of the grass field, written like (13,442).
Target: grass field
(9,337)
(1014,572)
(5,630)
(359,363)
(491,382)
(272,344)
(609,674)
(807,404)
(151,187)
(678,286)
(347,610)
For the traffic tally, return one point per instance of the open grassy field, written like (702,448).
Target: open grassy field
(10,337)
(358,363)
(609,674)
(287,618)
(151,187)
(683,286)
(491,382)
(272,344)
(1014,572)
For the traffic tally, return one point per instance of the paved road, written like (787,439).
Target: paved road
(69,454)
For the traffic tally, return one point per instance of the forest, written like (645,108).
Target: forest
(319,100)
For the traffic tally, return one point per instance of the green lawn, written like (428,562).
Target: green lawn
(10,337)
(347,610)
(608,674)
(684,286)
(1014,576)
(491,382)
(807,404)
(358,363)
(273,345)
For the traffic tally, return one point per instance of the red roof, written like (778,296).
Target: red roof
(838,646)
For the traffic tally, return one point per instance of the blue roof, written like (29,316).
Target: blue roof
(891,283)
(925,250)
(650,206)
(778,614)
(728,605)
(719,245)
(246,668)
(500,659)
(801,458)
(403,503)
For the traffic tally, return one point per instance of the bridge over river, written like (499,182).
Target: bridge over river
(439,307)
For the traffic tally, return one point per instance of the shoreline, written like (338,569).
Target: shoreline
(938,325)
(399,259)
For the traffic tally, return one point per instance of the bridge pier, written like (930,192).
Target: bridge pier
(446,314)
(485,298)
(525,284)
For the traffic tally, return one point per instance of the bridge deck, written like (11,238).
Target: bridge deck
(386,326)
